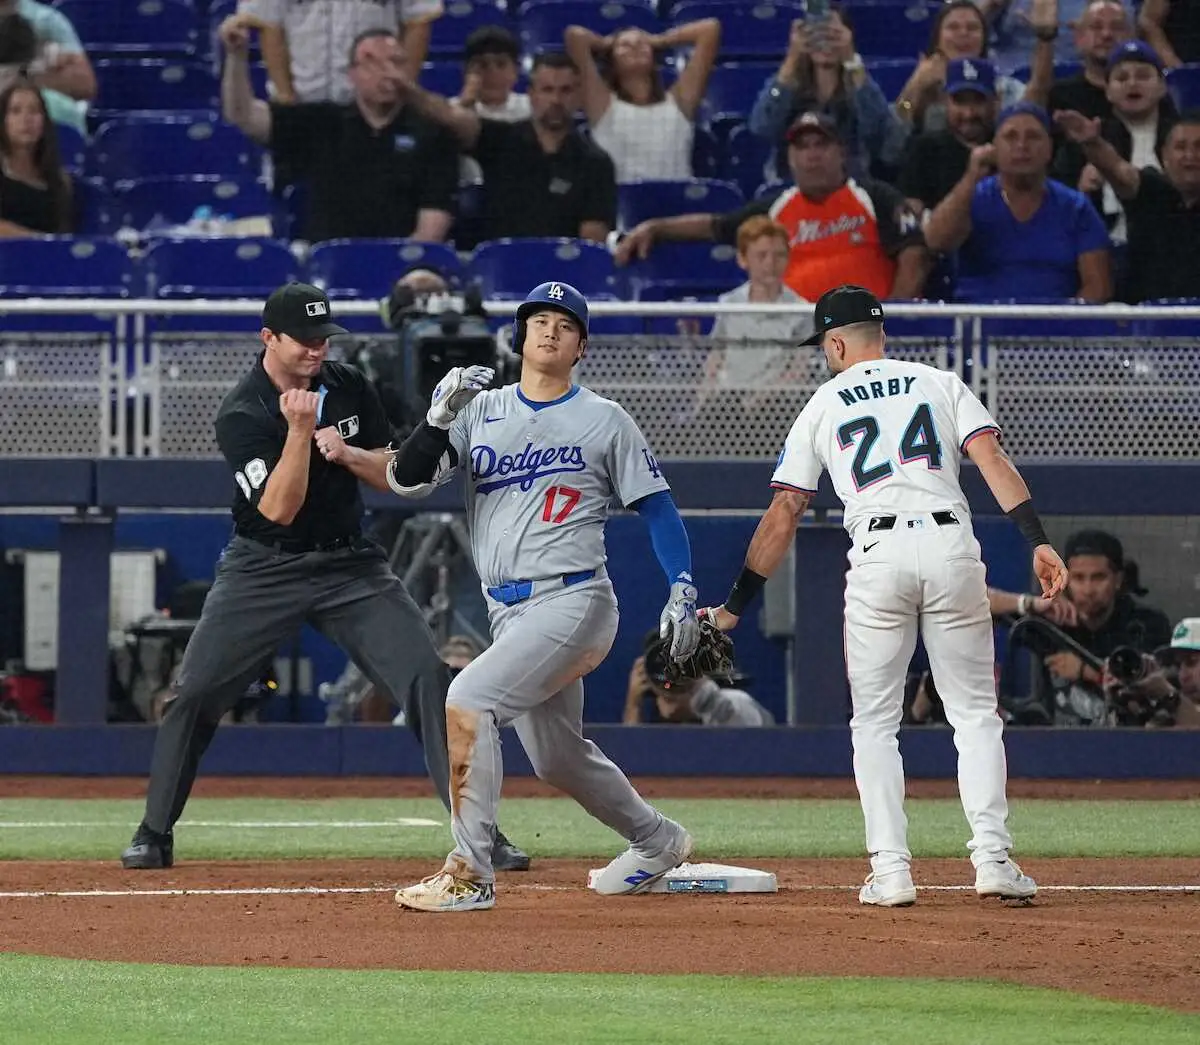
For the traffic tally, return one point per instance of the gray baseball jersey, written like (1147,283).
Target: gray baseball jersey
(541,478)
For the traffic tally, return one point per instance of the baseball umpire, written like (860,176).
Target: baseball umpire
(299,433)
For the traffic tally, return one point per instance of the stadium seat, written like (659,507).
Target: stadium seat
(171,145)
(65,266)
(707,154)
(891,28)
(444,78)
(686,270)
(93,208)
(155,83)
(217,268)
(510,268)
(748,30)
(891,74)
(72,147)
(124,27)
(1184,85)
(1062,71)
(542,23)
(459,20)
(733,88)
(746,157)
(639,200)
(367,268)
(147,204)
(1172,328)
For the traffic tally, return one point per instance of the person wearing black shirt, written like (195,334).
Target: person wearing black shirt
(299,433)
(1104,26)
(937,160)
(374,167)
(1162,209)
(541,177)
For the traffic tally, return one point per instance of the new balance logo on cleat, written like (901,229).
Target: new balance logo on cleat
(639,876)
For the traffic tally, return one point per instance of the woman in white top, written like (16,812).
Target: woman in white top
(646,129)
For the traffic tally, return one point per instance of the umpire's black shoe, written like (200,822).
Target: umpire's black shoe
(149,851)
(506,856)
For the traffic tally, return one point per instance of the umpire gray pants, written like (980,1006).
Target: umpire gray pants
(261,597)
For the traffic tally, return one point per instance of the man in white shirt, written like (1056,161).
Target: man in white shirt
(892,435)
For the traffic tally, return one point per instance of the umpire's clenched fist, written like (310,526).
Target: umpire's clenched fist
(300,409)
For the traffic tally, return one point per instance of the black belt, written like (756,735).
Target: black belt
(888,522)
(304,547)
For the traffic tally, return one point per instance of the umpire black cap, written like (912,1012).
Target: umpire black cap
(842,306)
(300,310)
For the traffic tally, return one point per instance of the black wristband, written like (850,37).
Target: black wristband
(1029,524)
(417,460)
(748,585)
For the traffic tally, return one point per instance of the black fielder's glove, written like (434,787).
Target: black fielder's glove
(713,656)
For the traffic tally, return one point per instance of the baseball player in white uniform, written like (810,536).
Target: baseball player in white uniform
(892,435)
(543,459)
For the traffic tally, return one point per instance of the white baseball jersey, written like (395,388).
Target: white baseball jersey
(891,434)
(541,477)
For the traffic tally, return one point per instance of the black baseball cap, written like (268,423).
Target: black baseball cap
(301,311)
(1095,542)
(842,306)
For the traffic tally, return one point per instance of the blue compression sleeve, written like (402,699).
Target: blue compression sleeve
(667,534)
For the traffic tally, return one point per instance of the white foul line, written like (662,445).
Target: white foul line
(317,890)
(402,821)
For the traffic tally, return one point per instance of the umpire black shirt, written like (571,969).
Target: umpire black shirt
(251,432)
(530,192)
(363,182)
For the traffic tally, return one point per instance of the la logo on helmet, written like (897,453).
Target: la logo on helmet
(555,292)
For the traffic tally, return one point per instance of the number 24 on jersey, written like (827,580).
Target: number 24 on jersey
(918,441)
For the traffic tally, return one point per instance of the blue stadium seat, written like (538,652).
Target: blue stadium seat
(217,268)
(150,203)
(746,157)
(72,147)
(1062,71)
(367,268)
(687,270)
(155,83)
(121,27)
(639,200)
(444,78)
(1184,85)
(891,28)
(733,87)
(891,74)
(65,266)
(510,268)
(542,23)
(171,145)
(459,19)
(748,30)
(93,208)
(707,154)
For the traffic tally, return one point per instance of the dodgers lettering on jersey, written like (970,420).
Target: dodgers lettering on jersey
(541,479)
(891,434)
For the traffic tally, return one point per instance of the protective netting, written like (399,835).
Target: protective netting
(1096,398)
(57,394)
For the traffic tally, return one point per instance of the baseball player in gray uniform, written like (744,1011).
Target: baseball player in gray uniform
(892,435)
(543,460)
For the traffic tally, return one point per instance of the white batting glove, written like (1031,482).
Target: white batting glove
(679,620)
(456,390)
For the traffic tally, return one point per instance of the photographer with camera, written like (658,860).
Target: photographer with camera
(709,701)
(1181,661)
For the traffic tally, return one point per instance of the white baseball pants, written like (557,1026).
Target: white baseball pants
(919,575)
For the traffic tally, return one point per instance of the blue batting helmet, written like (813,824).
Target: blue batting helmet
(562,297)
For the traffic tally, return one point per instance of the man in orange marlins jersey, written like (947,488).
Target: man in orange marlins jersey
(841,230)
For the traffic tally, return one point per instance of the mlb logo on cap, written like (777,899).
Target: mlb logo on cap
(316,308)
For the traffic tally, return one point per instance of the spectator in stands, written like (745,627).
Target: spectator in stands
(541,176)
(647,129)
(958,32)
(35,192)
(306,43)
(841,230)
(937,160)
(1142,117)
(1104,26)
(1020,604)
(1182,657)
(1017,29)
(493,64)
(62,65)
(374,167)
(822,71)
(1172,28)
(1162,208)
(20,57)
(1018,234)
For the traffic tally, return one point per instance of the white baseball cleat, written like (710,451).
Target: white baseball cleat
(442,892)
(889,890)
(639,867)
(1005,879)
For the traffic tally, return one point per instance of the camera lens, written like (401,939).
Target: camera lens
(1126,664)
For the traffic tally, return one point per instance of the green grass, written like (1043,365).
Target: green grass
(558,827)
(57,1002)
